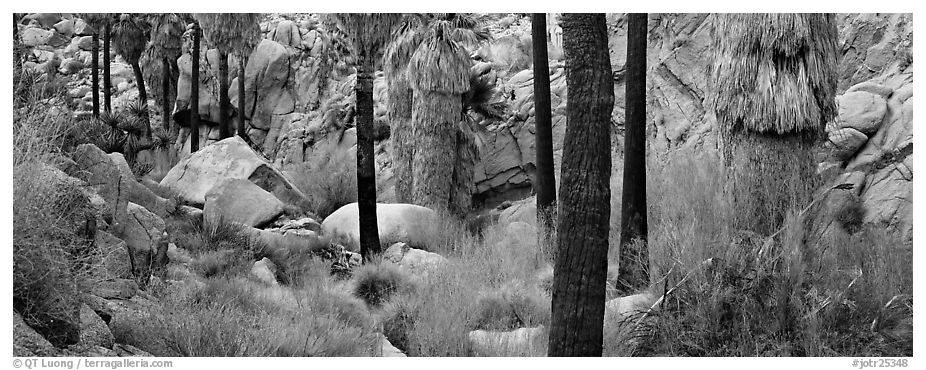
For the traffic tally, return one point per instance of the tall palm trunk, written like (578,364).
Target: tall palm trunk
(224,104)
(107,82)
(194,92)
(545,179)
(434,126)
(366,171)
(400,112)
(634,256)
(165,94)
(142,96)
(242,132)
(580,268)
(95,73)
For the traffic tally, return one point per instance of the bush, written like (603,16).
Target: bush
(742,294)
(376,283)
(53,223)
(236,318)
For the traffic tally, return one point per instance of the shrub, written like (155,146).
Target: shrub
(233,318)
(376,283)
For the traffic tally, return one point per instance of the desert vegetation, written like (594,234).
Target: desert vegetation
(368,221)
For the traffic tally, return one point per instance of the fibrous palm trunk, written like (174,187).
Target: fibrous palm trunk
(366,169)
(634,256)
(434,126)
(107,82)
(242,132)
(580,268)
(194,93)
(400,113)
(224,104)
(545,178)
(95,73)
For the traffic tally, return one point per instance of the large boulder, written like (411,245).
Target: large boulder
(861,110)
(240,201)
(35,36)
(266,77)
(231,158)
(397,222)
(112,178)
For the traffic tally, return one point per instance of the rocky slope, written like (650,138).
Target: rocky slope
(300,106)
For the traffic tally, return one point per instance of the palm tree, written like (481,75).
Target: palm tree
(368,33)
(545,181)
(98,22)
(439,75)
(464,31)
(237,33)
(773,89)
(634,256)
(130,34)
(399,105)
(580,267)
(194,89)
(166,46)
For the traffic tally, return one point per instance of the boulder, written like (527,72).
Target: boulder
(286,33)
(846,142)
(622,308)
(93,330)
(65,27)
(47,20)
(516,343)
(285,241)
(70,66)
(35,36)
(861,110)
(240,201)
(266,76)
(85,43)
(231,158)
(520,211)
(145,236)
(521,231)
(397,222)
(29,343)
(265,271)
(116,262)
(99,305)
(417,261)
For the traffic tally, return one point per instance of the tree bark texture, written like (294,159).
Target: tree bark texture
(194,92)
(224,103)
(366,170)
(634,256)
(580,267)
(545,181)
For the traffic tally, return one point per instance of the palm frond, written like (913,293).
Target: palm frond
(130,36)
(774,73)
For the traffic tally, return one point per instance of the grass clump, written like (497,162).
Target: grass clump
(377,283)
(330,182)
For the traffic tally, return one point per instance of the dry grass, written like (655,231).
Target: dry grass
(738,294)
(328,182)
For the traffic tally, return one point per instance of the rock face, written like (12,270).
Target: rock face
(397,222)
(240,201)
(265,272)
(232,158)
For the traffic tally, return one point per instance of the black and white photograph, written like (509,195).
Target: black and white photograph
(395,184)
